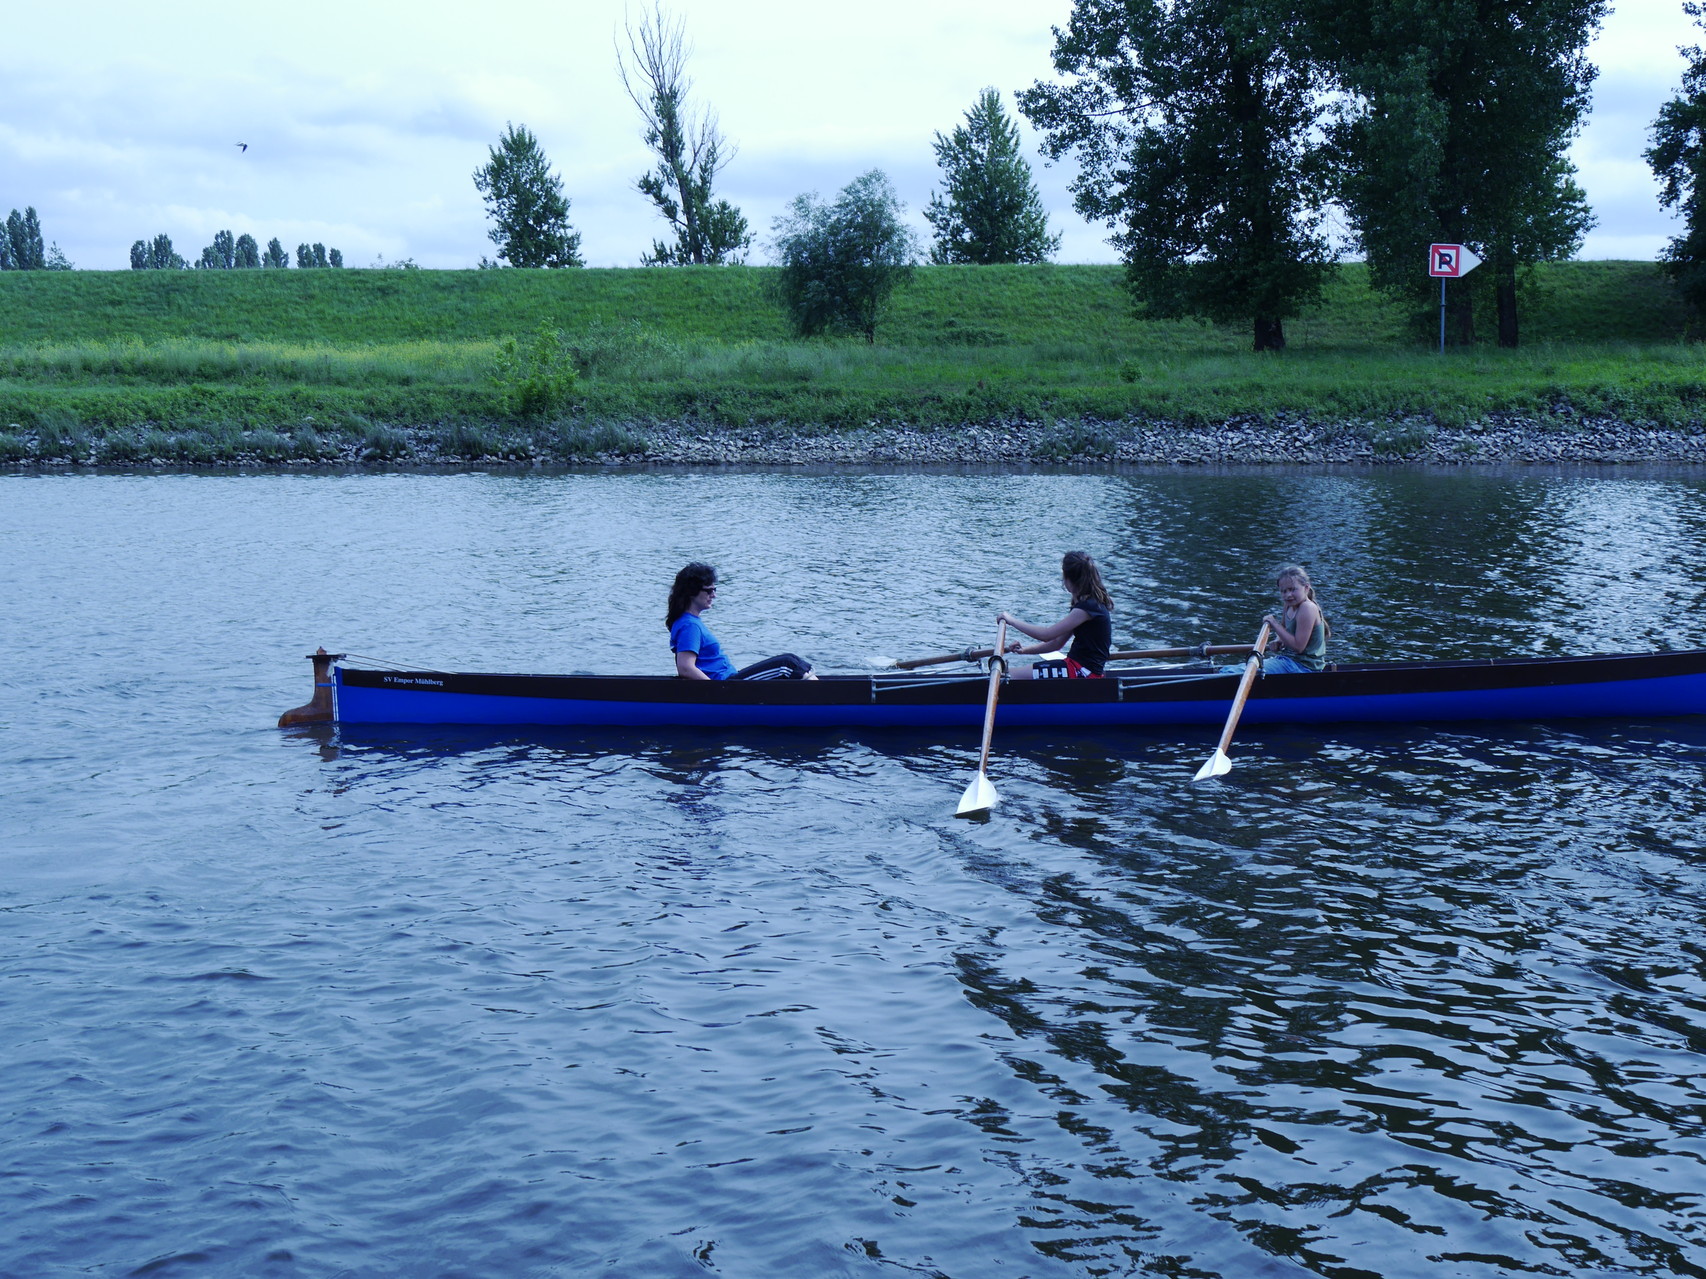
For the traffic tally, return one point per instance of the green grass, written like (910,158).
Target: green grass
(320,364)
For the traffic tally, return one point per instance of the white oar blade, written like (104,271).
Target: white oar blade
(1217,765)
(980,797)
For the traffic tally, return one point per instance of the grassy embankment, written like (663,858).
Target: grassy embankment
(215,366)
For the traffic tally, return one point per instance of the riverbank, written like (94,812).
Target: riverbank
(1498,439)
(1018,364)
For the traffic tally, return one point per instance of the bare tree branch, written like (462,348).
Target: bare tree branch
(651,59)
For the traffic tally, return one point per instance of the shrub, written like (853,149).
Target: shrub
(466,439)
(383,443)
(58,434)
(535,378)
(581,440)
(841,262)
(119,447)
(1069,441)
(270,446)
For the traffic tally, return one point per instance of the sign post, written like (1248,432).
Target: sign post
(1449,262)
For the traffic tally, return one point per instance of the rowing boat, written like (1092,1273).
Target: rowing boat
(1624,686)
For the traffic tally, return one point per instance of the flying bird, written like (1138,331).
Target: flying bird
(242,146)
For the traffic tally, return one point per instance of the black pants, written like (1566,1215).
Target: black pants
(782,666)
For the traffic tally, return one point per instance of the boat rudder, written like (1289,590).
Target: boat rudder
(319,709)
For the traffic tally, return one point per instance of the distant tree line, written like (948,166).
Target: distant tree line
(21,246)
(229,253)
(841,261)
(989,212)
(1218,140)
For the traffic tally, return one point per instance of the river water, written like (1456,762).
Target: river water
(1428,1001)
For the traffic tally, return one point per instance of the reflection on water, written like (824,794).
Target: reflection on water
(450,1001)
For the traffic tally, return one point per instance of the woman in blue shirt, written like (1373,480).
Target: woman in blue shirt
(697,653)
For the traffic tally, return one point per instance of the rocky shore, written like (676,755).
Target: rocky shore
(1499,438)
(1264,442)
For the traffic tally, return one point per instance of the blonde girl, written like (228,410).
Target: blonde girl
(1300,630)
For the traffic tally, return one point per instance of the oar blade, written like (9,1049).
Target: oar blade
(980,797)
(1218,764)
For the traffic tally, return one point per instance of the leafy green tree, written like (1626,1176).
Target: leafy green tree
(221,255)
(526,203)
(989,210)
(155,255)
(247,254)
(24,248)
(842,262)
(1194,123)
(1678,158)
(689,146)
(1459,116)
(275,257)
(334,258)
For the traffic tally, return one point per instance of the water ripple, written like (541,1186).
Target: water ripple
(447,1002)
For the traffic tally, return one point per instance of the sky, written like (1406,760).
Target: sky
(366,120)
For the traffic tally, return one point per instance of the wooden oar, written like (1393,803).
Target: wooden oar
(1218,762)
(1134,655)
(980,796)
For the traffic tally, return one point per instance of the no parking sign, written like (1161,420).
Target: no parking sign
(1449,261)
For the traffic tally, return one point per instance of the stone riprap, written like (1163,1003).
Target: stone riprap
(1269,441)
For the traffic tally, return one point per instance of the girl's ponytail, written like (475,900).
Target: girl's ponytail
(1080,570)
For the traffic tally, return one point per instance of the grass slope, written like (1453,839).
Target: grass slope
(215,365)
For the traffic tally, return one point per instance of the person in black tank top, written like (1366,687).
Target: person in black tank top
(1090,625)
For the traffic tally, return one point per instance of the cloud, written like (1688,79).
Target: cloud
(365,122)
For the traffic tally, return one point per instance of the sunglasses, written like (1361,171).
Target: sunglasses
(709,590)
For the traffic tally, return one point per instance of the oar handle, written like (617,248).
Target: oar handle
(969,655)
(1133,655)
(1195,650)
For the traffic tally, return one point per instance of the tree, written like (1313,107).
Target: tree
(841,262)
(247,254)
(24,250)
(689,146)
(312,255)
(526,202)
(275,257)
(989,210)
(155,255)
(1678,159)
(1460,112)
(1194,126)
(221,255)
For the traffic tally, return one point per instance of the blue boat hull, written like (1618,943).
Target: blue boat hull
(1637,686)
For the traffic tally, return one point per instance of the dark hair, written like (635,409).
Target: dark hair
(688,583)
(1085,578)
